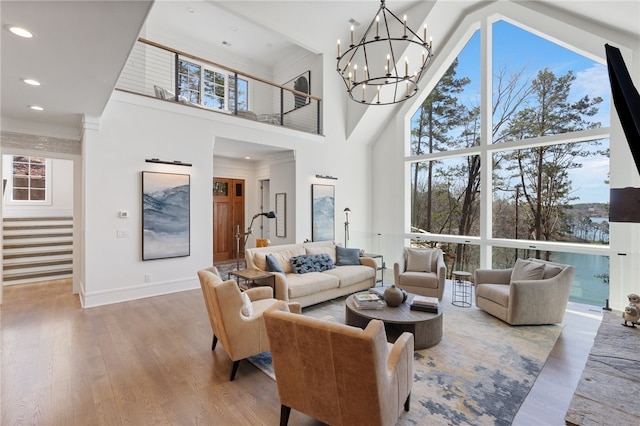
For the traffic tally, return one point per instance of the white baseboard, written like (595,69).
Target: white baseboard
(124,294)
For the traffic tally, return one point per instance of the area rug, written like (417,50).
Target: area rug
(479,373)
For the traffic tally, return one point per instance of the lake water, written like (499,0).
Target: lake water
(587,287)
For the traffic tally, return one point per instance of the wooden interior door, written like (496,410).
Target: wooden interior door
(228,215)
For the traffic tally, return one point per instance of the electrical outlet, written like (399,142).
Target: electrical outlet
(147,278)
(123,233)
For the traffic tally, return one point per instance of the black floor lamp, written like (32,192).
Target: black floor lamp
(269,215)
(346,225)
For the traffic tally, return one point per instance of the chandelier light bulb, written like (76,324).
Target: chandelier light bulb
(405,26)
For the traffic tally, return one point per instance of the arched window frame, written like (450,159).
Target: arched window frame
(565,30)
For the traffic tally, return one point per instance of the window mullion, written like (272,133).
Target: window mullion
(486,120)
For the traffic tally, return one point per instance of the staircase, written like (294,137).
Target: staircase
(37,249)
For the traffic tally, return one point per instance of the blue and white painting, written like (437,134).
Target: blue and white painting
(165,215)
(323,213)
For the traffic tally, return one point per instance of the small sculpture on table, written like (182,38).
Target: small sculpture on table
(394,296)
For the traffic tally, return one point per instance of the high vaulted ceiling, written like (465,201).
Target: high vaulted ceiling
(80,47)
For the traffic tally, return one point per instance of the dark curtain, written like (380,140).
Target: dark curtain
(626,100)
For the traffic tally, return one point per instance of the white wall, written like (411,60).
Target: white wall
(282,180)
(134,128)
(113,159)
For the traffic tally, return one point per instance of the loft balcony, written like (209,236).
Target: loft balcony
(158,71)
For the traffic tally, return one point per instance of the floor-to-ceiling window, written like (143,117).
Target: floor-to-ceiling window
(523,171)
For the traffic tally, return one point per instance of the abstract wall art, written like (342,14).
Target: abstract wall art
(165,215)
(322,213)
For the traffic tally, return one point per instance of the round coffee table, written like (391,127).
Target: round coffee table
(425,327)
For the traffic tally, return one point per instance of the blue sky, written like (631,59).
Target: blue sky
(517,49)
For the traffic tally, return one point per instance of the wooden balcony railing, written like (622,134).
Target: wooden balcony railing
(171,75)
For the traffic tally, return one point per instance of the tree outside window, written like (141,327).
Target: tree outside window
(540,190)
(189,80)
(243,93)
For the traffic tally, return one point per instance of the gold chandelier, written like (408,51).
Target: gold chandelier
(384,68)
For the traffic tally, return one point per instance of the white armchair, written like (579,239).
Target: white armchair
(236,321)
(421,271)
(534,291)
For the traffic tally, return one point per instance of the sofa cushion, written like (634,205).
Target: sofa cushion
(272,264)
(419,279)
(550,271)
(352,274)
(526,270)
(347,256)
(498,293)
(419,260)
(282,256)
(330,250)
(301,285)
(311,263)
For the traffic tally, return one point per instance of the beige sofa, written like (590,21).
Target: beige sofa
(533,292)
(312,287)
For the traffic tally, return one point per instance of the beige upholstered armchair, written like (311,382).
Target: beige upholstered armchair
(533,292)
(421,271)
(235,317)
(338,374)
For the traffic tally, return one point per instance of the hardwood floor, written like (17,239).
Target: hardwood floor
(149,361)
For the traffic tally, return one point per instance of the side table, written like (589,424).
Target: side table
(253,275)
(462,289)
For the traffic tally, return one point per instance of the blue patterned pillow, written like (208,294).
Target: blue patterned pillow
(311,263)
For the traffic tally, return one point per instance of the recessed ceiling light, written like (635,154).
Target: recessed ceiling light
(247,158)
(36,107)
(20,31)
(191,10)
(31,82)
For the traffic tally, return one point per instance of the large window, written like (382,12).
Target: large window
(212,88)
(546,155)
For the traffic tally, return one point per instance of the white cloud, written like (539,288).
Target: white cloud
(593,81)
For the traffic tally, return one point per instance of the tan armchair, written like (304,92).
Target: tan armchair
(532,292)
(338,374)
(241,335)
(421,271)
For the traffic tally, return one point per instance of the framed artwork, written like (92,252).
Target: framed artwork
(322,213)
(165,215)
(281,214)
(301,83)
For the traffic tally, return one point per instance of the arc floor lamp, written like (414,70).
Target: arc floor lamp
(269,215)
